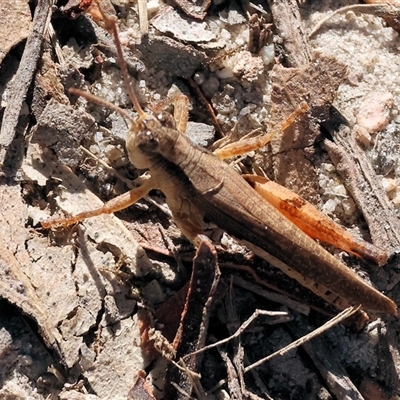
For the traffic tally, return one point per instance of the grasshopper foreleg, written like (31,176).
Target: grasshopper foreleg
(119,203)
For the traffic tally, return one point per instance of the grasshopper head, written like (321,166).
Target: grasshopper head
(149,138)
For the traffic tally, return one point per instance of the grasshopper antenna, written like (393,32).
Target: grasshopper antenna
(110,23)
(101,102)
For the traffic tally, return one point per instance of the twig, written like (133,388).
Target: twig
(276,297)
(143,18)
(361,180)
(207,104)
(272,314)
(381,10)
(332,322)
(327,362)
(24,75)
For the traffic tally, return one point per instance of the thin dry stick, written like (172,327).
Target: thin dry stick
(23,77)
(207,104)
(381,9)
(332,322)
(56,44)
(143,17)
(172,248)
(257,287)
(242,328)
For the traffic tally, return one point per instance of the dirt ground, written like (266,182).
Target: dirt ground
(105,308)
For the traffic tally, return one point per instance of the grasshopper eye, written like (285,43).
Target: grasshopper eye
(147,141)
(167,120)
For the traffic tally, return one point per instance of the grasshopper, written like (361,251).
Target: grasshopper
(198,185)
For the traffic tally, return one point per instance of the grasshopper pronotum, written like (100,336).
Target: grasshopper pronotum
(199,185)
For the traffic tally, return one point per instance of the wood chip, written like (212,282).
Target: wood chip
(317,83)
(194,8)
(185,29)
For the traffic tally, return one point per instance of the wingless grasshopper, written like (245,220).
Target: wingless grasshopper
(200,186)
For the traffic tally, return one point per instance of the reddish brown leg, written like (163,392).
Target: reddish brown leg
(119,203)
